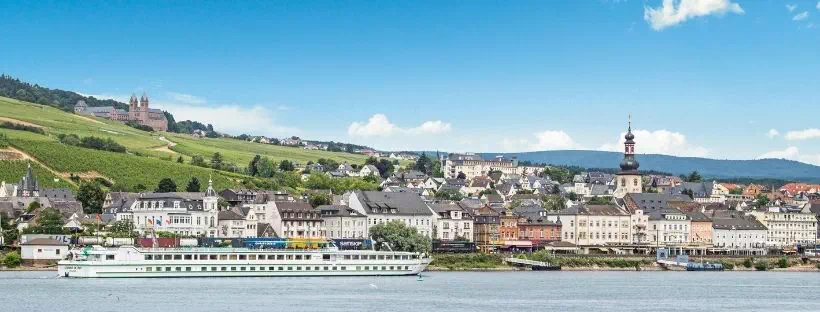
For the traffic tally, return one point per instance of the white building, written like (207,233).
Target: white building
(182,213)
(382,207)
(297,220)
(43,250)
(788,227)
(473,165)
(739,233)
(238,222)
(668,227)
(454,221)
(343,222)
(595,225)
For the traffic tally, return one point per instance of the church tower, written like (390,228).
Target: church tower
(144,102)
(628,180)
(132,103)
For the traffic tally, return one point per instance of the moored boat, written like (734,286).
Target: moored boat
(129,261)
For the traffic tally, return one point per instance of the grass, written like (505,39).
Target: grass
(468,261)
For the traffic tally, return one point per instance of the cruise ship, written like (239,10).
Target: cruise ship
(130,261)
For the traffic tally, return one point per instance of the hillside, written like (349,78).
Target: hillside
(150,157)
(715,168)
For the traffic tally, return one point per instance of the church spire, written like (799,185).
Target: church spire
(210,192)
(629,163)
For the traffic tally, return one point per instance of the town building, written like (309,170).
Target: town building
(628,180)
(16,198)
(668,227)
(536,227)
(487,223)
(238,222)
(383,207)
(702,192)
(649,202)
(454,221)
(742,234)
(297,220)
(788,226)
(343,222)
(138,111)
(181,213)
(472,165)
(43,251)
(700,229)
(596,225)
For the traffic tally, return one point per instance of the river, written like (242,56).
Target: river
(438,291)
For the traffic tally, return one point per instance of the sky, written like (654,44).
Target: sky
(724,79)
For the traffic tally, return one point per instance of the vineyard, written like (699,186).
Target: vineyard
(11,171)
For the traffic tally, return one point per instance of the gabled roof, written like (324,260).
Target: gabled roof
(594,210)
(44,242)
(400,203)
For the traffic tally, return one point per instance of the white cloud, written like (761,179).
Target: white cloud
(186,98)
(791,7)
(792,153)
(659,142)
(380,125)
(772,133)
(799,17)
(806,134)
(673,12)
(540,141)
(818,5)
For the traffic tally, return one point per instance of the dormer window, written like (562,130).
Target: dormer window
(176,204)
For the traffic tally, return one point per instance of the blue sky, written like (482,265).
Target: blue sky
(700,77)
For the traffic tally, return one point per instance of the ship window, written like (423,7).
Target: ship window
(290,268)
(367,268)
(188,257)
(203,269)
(372,257)
(384,268)
(261,268)
(381,257)
(242,269)
(388,257)
(355,257)
(343,268)
(326,257)
(167,269)
(233,268)
(347,257)
(204,257)
(159,269)
(188,269)
(316,268)
(223,269)
(252,257)
(307,268)
(243,257)
(109,257)
(149,257)
(212,257)
(213,268)
(149,269)
(290,257)
(406,268)
(253,268)
(177,257)
(404,257)
(278,257)
(179,268)
(335,268)
(270,257)
(299,268)
(392,268)
(358,268)
(298,257)
(232,257)
(280,268)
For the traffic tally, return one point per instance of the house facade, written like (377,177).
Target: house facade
(383,207)
(788,227)
(181,213)
(595,225)
(453,221)
(343,222)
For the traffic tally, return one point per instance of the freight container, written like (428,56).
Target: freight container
(119,241)
(161,242)
(188,242)
(90,240)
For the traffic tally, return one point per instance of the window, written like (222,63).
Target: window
(149,257)
(149,269)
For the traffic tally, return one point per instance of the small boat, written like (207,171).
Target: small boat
(704,266)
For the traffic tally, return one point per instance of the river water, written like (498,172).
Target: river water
(438,291)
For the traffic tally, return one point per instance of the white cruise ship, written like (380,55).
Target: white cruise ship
(129,261)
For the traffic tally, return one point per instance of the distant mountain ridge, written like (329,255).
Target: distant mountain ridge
(715,168)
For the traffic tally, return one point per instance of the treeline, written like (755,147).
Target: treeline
(16,126)
(65,100)
(136,125)
(91,142)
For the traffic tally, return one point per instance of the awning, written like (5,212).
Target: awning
(520,244)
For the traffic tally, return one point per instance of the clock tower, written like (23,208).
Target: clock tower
(628,180)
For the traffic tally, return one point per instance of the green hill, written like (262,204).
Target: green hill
(150,157)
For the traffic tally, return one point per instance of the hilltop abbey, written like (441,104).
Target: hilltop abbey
(138,111)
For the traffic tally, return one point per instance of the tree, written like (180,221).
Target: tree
(317,199)
(400,237)
(572,196)
(139,188)
(371,178)
(166,185)
(599,200)
(198,161)
(180,160)
(286,165)
(761,201)
(385,167)
(461,176)
(12,259)
(216,161)
(553,202)
(33,206)
(193,185)
(50,221)
(252,169)
(688,192)
(424,164)
(694,177)
(92,197)
(486,192)
(449,195)
(122,228)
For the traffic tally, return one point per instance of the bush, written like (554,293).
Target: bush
(91,142)
(783,262)
(136,125)
(748,263)
(14,126)
(761,266)
(12,259)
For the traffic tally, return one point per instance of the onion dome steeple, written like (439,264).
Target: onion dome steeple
(629,164)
